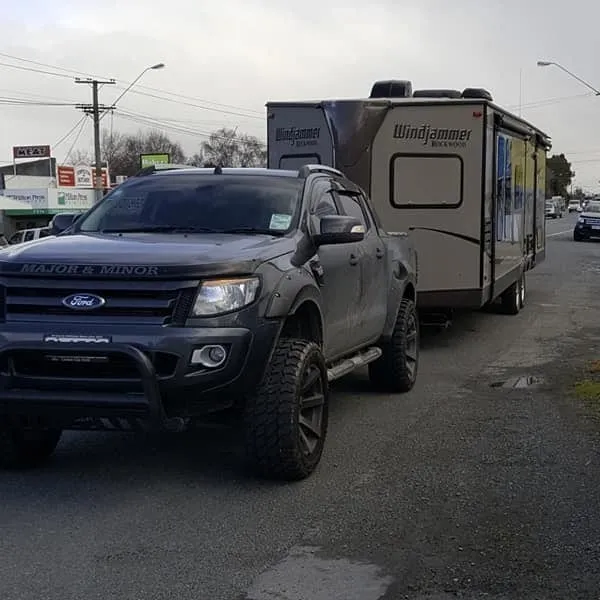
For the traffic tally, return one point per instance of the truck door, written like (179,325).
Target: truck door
(297,135)
(372,310)
(337,271)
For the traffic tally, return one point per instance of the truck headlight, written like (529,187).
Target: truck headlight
(581,220)
(224,295)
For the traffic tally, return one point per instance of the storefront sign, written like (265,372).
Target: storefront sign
(30,198)
(149,160)
(81,176)
(68,198)
(31,151)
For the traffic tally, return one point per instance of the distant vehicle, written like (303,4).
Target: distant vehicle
(588,224)
(552,210)
(574,206)
(27,235)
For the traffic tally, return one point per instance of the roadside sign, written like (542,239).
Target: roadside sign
(31,152)
(148,160)
(81,176)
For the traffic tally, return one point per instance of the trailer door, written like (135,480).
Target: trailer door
(297,135)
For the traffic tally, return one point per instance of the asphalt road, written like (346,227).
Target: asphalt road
(462,488)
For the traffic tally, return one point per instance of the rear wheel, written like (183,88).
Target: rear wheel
(286,419)
(395,371)
(23,447)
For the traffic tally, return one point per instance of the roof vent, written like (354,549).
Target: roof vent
(479,93)
(437,94)
(392,88)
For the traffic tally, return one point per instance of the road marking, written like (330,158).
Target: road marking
(558,233)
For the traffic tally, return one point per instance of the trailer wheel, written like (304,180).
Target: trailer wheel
(511,298)
(523,292)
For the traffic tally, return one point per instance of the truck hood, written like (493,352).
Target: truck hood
(142,255)
(589,215)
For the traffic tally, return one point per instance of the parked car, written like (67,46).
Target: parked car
(574,206)
(552,210)
(188,291)
(588,223)
(27,235)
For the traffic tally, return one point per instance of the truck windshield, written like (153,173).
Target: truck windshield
(593,208)
(202,203)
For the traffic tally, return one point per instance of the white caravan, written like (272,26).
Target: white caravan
(465,176)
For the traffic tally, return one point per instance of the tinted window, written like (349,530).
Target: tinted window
(44,233)
(351,207)
(16,238)
(220,202)
(593,208)
(29,235)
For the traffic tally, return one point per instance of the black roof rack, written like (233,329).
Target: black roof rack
(306,170)
(149,170)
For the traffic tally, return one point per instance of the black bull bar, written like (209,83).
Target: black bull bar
(57,399)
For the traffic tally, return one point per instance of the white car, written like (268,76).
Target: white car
(552,210)
(574,206)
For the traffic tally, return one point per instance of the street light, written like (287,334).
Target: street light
(152,68)
(548,63)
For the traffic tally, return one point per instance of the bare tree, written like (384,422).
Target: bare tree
(227,148)
(79,157)
(122,151)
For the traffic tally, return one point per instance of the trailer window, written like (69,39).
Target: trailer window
(426,180)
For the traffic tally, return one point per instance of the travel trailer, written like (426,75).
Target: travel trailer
(465,177)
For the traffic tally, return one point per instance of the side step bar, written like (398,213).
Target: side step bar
(347,365)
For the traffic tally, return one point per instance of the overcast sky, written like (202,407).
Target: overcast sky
(226,59)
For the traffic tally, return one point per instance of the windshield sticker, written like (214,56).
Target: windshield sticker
(280,222)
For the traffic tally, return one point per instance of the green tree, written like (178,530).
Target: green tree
(560,175)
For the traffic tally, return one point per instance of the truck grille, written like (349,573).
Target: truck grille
(151,303)
(592,220)
(77,365)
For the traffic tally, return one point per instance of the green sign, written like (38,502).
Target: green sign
(148,160)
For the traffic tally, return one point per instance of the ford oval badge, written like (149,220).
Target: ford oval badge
(83,301)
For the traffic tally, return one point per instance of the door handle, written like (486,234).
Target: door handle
(353,259)
(379,253)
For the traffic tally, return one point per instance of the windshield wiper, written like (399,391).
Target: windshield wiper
(256,230)
(162,229)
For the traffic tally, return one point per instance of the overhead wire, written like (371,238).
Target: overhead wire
(83,124)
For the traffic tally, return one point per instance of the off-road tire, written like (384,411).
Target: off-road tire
(394,371)
(577,237)
(272,415)
(22,448)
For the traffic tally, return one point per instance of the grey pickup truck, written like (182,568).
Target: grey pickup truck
(188,291)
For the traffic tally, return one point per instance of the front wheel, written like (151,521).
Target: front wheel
(395,371)
(286,418)
(22,447)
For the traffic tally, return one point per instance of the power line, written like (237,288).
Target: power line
(20,68)
(58,68)
(152,122)
(23,102)
(64,137)
(83,124)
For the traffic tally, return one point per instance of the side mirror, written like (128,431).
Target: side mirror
(62,221)
(339,229)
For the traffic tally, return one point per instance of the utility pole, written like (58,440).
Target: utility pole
(96,110)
